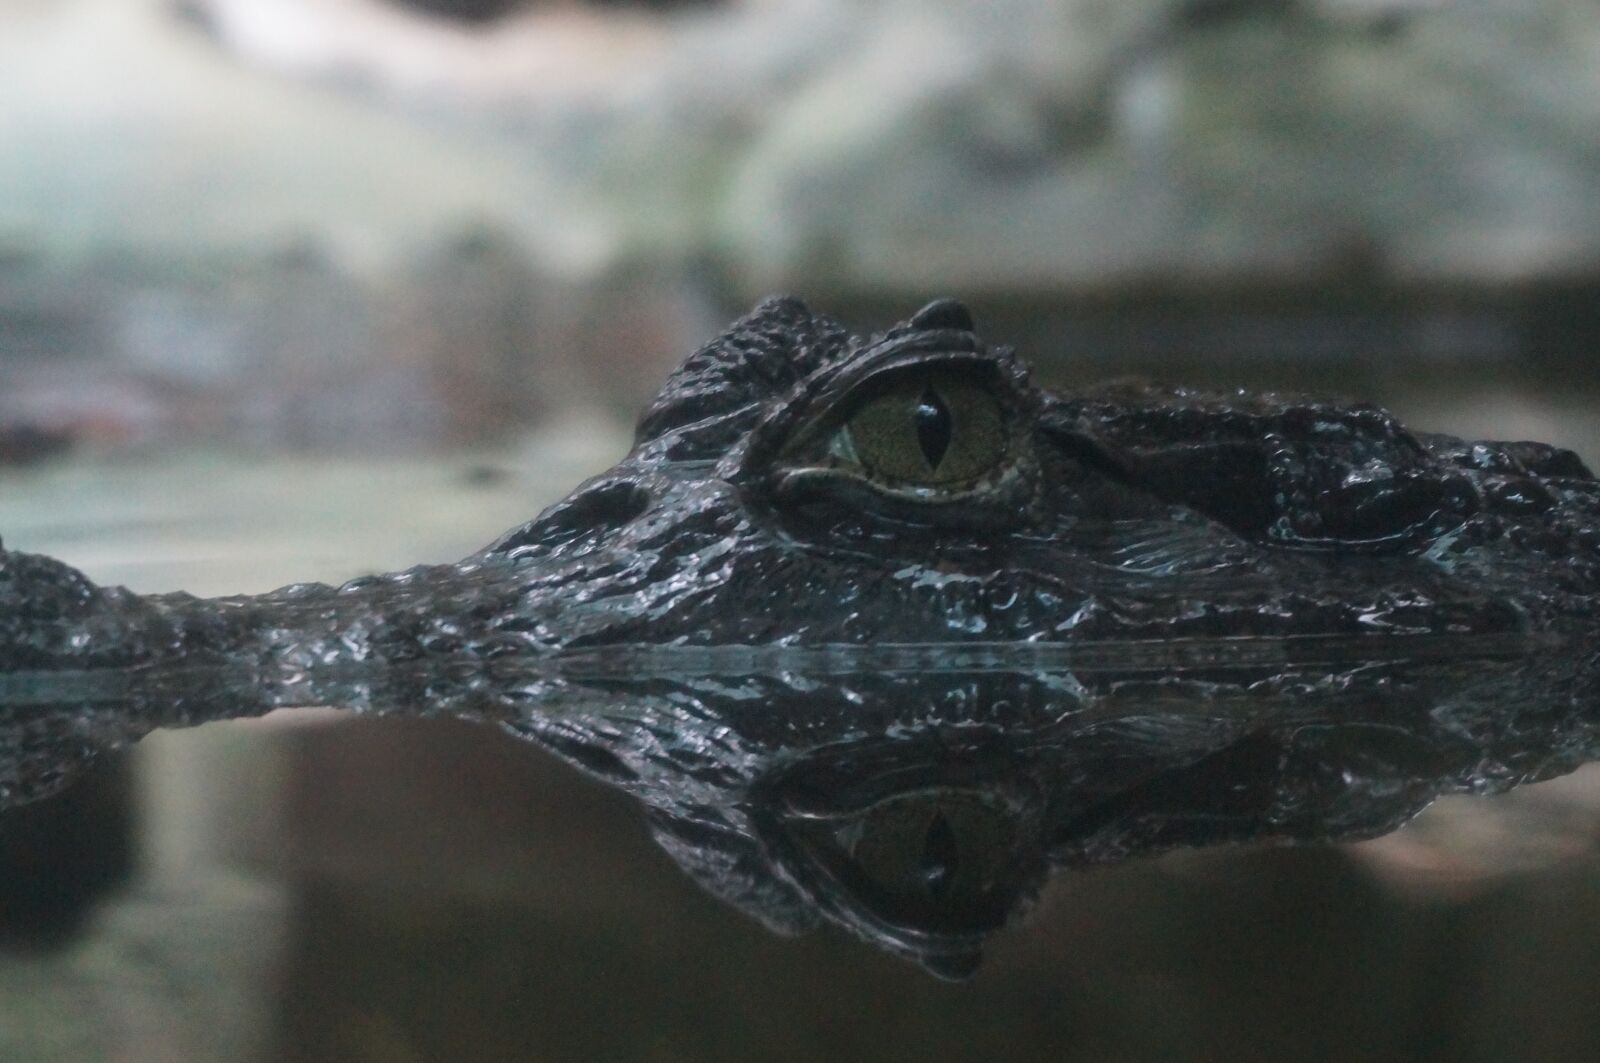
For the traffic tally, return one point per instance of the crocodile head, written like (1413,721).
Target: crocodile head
(881,632)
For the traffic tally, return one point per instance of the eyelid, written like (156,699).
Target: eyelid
(834,408)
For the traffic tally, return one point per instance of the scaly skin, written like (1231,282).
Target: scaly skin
(1161,618)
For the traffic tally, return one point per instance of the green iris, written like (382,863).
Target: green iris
(935,430)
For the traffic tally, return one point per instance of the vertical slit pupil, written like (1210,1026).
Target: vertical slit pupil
(940,854)
(933,426)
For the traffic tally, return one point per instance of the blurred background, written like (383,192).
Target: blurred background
(299,289)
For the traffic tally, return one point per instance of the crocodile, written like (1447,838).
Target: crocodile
(881,632)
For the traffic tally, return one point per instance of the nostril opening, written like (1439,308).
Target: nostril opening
(588,515)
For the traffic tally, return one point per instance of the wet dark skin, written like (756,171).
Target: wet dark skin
(880,632)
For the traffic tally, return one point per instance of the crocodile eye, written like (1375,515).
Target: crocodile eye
(937,429)
(939,442)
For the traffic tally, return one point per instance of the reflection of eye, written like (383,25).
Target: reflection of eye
(937,429)
(935,850)
(938,859)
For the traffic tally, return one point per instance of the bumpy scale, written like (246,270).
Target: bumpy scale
(880,632)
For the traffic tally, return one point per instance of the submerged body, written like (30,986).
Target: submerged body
(880,631)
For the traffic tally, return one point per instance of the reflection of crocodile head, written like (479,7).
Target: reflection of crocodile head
(880,631)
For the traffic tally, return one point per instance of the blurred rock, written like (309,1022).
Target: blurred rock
(1087,145)
(24,444)
(1049,145)
(467,343)
(315,221)
(503,344)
